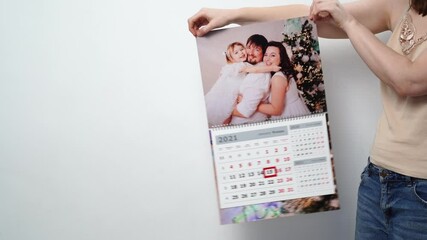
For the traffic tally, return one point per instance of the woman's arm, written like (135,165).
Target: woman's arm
(249,101)
(370,13)
(253,90)
(260,68)
(406,77)
(279,86)
(207,19)
(374,15)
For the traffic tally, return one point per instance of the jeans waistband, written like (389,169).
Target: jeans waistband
(388,175)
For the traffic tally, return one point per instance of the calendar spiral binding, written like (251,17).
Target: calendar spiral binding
(291,118)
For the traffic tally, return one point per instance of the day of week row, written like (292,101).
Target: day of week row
(253,144)
(304,138)
(307,133)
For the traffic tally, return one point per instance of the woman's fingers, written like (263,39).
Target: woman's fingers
(196,22)
(318,11)
(206,20)
(323,14)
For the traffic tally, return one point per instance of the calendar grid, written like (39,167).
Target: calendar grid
(273,162)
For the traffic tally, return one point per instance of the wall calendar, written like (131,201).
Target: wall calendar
(268,121)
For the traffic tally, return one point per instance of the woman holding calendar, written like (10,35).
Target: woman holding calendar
(392,198)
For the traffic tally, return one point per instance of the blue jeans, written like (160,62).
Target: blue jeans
(391,206)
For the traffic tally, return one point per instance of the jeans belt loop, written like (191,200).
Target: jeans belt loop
(383,173)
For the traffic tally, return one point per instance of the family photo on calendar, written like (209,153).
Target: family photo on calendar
(258,72)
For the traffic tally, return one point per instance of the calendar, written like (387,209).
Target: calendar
(268,164)
(278,161)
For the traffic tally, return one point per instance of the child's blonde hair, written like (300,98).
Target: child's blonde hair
(230,49)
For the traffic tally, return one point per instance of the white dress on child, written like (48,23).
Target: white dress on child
(294,104)
(222,97)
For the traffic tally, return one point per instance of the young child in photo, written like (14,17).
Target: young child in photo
(222,97)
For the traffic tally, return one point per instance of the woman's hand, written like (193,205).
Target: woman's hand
(324,10)
(275,68)
(207,19)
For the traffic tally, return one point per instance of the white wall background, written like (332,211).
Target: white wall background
(103,133)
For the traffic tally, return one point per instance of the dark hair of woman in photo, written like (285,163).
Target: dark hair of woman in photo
(285,62)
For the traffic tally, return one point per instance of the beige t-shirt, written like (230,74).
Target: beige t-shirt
(401,139)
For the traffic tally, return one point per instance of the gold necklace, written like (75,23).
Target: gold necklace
(407,34)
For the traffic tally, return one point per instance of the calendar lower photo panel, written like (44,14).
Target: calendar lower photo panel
(274,169)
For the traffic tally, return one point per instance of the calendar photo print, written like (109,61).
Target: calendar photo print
(267,119)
